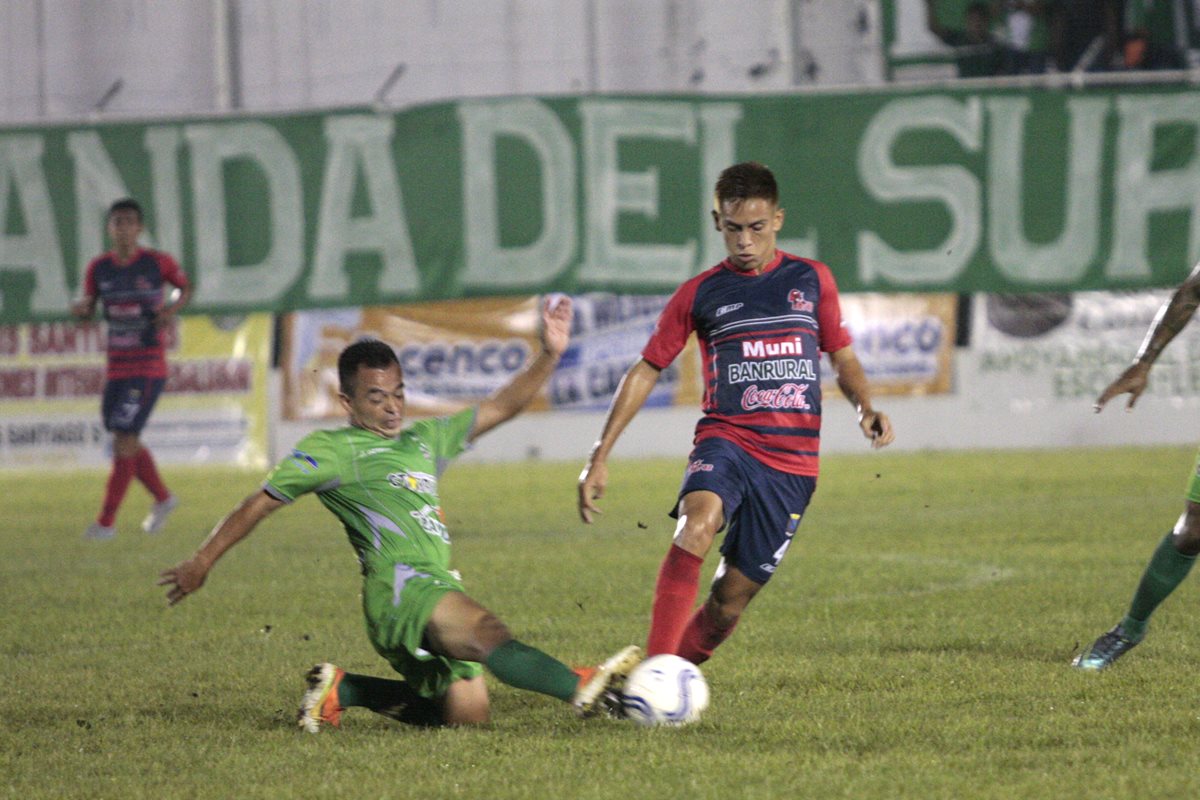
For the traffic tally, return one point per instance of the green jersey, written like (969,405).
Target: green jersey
(385,491)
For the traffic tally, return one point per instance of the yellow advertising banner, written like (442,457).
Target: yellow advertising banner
(904,341)
(213,410)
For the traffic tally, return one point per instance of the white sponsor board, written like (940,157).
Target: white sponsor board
(1066,348)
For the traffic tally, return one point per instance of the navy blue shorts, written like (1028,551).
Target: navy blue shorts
(128,402)
(763,506)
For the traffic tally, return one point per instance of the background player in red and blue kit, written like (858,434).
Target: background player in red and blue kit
(129,282)
(762,318)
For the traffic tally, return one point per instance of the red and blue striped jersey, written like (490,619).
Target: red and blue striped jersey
(132,294)
(761,338)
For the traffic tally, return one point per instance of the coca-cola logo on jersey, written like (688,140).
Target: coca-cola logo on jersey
(789,396)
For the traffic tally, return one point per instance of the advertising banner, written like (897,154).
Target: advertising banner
(923,190)
(213,409)
(457,353)
(1069,347)
(905,342)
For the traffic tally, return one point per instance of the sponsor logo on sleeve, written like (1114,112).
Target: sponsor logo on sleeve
(304,461)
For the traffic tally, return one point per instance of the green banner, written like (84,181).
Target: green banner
(1004,190)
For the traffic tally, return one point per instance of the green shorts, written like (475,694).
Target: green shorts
(397,604)
(1193,487)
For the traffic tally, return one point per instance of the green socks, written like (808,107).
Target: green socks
(1166,570)
(525,667)
(514,663)
(394,699)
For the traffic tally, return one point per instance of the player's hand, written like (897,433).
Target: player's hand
(183,579)
(1133,380)
(592,481)
(877,427)
(163,317)
(82,309)
(557,313)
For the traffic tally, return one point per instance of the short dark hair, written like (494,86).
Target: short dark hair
(371,353)
(126,204)
(745,181)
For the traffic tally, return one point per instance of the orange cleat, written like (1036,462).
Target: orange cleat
(320,703)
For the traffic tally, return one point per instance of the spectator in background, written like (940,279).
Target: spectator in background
(1026,26)
(1151,37)
(1086,35)
(978,53)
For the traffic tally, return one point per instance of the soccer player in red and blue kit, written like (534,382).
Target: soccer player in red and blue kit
(129,281)
(762,318)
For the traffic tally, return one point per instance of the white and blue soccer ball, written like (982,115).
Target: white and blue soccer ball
(665,690)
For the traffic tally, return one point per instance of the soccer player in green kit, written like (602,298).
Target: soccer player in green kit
(381,480)
(1176,552)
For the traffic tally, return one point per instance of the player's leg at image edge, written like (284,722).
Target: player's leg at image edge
(1166,570)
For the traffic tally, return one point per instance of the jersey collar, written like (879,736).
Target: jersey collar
(137,253)
(771,265)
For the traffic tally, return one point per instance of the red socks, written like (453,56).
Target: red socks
(674,595)
(147,473)
(124,470)
(122,473)
(702,636)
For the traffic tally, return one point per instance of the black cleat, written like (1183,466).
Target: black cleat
(1105,650)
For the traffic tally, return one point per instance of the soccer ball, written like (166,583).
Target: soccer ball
(665,690)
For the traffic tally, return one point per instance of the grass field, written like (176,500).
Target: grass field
(914,644)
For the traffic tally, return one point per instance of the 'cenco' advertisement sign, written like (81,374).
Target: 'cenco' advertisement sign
(955,190)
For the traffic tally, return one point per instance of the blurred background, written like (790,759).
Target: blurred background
(1006,191)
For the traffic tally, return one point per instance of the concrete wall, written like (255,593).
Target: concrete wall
(73,58)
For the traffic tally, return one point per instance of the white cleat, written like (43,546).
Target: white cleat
(608,678)
(159,512)
(319,706)
(100,532)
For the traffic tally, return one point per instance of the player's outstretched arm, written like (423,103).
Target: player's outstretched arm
(853,382)
(188,576)
(508,401)
(630,397)
(1173,317)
